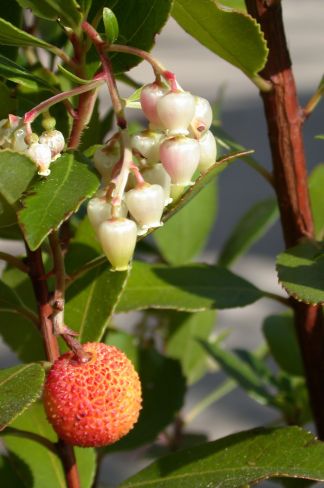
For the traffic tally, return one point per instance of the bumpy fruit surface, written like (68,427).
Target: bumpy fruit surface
(93,404)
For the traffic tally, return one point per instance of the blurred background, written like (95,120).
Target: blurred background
(202,73)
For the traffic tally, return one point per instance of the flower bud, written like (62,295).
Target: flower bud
(118,239)
(147,144)
(203,116)
(180,157)
(208,151)
(54,139)
(157,175)
(41,155)
(105,159)
(146,205)
(150,94)
(176,110)
(18,140)
(99,210)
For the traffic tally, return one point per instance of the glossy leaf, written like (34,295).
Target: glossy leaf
(19,387)
(138,28)
(42,465)
(10,35)
(65,10)
(91,301)
(164,388)
(184,331)
(111,24)
(54,199)
(316,185)
(232,35)
(237,460)
(281,337)
(193,288)
(16,172)
(14,16)
(185,234)
(241,371)
(19,74)
(252,225)
(300,271)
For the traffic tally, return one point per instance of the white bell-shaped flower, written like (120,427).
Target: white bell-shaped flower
(176,111)
(158,176)
(54,139)
(180,157)
(145,203)
(118,239)
(208,151)
(203,116)
(150,95)
(147,144)
(42,157)
(18,140)
(99,210)
(105,159)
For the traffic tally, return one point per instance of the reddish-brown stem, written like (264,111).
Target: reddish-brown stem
(284,119)
(107,69)
(43,298)
(84,112)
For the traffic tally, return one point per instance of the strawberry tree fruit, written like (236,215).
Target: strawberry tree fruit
(93,403)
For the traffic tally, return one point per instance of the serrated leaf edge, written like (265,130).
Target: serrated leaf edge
(32,400)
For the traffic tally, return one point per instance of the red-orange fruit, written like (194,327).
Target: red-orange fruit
(93,404)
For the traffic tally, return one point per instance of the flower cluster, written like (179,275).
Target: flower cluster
(160,163)
(42,150)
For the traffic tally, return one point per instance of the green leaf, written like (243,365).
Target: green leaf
(8,103)
(182,342)
(20,75)
(300,271)
(19,387)
(316,185)
(11,302)
(236,460)
(252,225)
(280,334)
(8,221)
(21,325)
(185,234)
(84,247)
(43,466)
(163,388)
(234,36)
(139,22)
(71,76)
(242,372)
(111,24)
(189,288)
(92,300)
(65,10)
(54,199)
(15,17)
(16,172)
(125,342)
(10,35)
(8,474)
